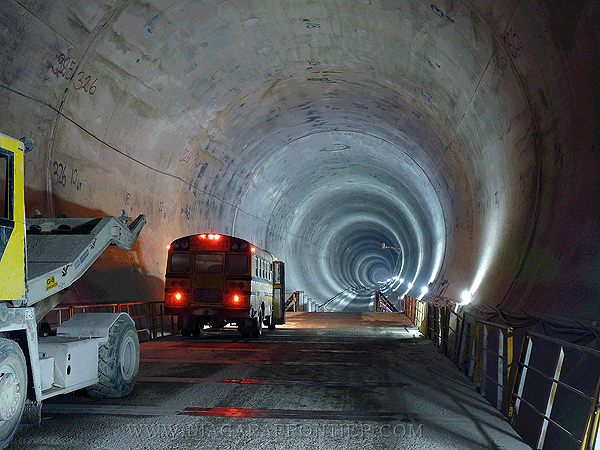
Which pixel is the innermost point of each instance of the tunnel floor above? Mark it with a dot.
(323, 380)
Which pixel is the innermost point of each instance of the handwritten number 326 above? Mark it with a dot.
(83, 82)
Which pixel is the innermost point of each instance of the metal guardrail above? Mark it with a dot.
(383, 303)
(547, 411)
(298, 301)
(586, 435)
(146, 315)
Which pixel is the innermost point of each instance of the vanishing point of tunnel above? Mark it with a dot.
(461, 132)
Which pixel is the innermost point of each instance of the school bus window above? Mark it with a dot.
(237, 264)
(208, 263)
(4, 191)
(180, 262)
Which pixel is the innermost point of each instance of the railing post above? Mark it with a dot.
(513, 410)
(484, 350)
(551, 395)
(71, 311)
(457, 338)
(445, 330)
(501, 372)
(162, 320)
(153, 333)
(441, 328)
(591, 430)
(472, 353)
(464, 344)
(510, 373)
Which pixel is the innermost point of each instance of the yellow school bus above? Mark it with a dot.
(215, 280)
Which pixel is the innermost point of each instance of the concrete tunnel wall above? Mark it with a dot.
(462, 132)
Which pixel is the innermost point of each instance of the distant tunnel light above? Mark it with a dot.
(410, 285)
(401, 280)
(466, 297)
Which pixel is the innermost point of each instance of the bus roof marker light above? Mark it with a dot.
(253, 249)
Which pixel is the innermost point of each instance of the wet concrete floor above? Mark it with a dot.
(322, 381)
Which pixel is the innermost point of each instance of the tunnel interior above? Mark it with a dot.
(463, 134)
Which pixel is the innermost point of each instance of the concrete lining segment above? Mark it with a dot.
(472, 124)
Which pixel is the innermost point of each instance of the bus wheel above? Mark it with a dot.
(270, 322)
(184, 330)
(195, 326)
(13, 389)
(257, 324)
(243, 331)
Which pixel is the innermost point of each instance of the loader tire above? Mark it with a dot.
(13, 389)
(118, 362)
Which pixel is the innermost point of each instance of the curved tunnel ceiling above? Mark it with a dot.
(462, 133)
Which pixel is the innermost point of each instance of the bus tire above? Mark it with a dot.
(118, 361)
(270, 322)
(185, 332)
(195, 326)
(257, 324)
(13, 389)
(243, 331)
